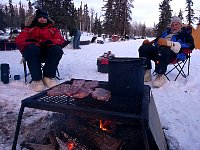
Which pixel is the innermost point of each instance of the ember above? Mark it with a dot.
(104, 125)
(70, 145)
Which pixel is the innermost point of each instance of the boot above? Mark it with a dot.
(147, 75)
(159, 80)
(49, 82)
(37, 86)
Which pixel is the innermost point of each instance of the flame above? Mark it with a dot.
(104, 125)
(70, 145)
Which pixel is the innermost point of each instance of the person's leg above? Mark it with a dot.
(52, 57)
(148, 52)
(32, 56)
(74, 42)
(78, 40)
(163, 58)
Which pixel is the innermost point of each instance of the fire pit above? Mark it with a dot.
(133, 112)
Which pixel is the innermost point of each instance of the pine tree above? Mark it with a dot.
(180, 14)
(3, 24)
(11, 14)
(30, 9)
(97, 29)
(21, 13)
(117, 16)
(164, 17)
(190, 15)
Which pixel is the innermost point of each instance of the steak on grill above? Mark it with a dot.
(78, 82)
(58, 90)
(91, 84)
(82, 93)
(72, 90)
(101, 94)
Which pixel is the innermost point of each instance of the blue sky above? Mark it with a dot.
(144, 11)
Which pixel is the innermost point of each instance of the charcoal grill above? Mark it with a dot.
(119, 109)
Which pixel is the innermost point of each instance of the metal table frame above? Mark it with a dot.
(78, 111)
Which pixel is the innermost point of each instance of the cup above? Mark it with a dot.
(16, 77)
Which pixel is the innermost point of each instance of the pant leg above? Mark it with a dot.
(32, 56)
(148, 52)
(76, 41)
(52, 57)
(164, 56)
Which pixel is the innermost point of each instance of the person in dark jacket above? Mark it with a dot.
(164, 49)
(74, 32)
(41, 42)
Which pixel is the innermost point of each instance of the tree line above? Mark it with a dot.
(116, 17)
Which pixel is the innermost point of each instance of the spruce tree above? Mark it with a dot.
(190, 15)
(164, 17)
(2, 18)
(180, 14)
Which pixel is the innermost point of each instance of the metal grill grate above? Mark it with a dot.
(116, 104)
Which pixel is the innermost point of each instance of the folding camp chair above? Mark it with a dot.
(26, 73)
(182, 60)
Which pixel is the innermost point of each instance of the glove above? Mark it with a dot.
(174, 46)
(146, 42)
(46, 43)
(163, 42)
(31, 40)
(66, 42)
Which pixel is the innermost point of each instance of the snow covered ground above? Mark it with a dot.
(177, 102)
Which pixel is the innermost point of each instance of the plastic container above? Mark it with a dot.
(16, 77)
(126, 76)
(5, 73)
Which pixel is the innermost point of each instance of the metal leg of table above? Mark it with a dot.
(18, 127)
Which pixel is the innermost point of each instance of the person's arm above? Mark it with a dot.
(58, 38)
(22, 40)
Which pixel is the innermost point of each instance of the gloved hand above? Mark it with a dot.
(46, 43)
(66, 42)
(146, 42)
(163, 42)
(31, 40)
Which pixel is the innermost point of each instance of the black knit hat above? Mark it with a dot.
(41, 13)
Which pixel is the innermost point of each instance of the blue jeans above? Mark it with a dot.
(76, 41)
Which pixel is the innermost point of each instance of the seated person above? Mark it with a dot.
(39, 42)
(165, 49)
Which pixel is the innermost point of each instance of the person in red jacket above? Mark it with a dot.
(41, 42)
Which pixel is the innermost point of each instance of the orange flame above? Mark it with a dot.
(104, 125)
(70, 145)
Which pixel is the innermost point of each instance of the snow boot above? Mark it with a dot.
(159, 80)
(37, 86)
(147, 75)
(49, 82)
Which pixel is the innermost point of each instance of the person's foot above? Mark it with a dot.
(159, 80)
(37, 86)
(49, 82)
(147, 75)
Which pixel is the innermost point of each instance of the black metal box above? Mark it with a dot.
(102, 65)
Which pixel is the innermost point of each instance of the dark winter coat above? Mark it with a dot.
(184, 38)
(73, 31)
(40, 35)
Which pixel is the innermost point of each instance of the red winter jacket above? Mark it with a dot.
(40, 34)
